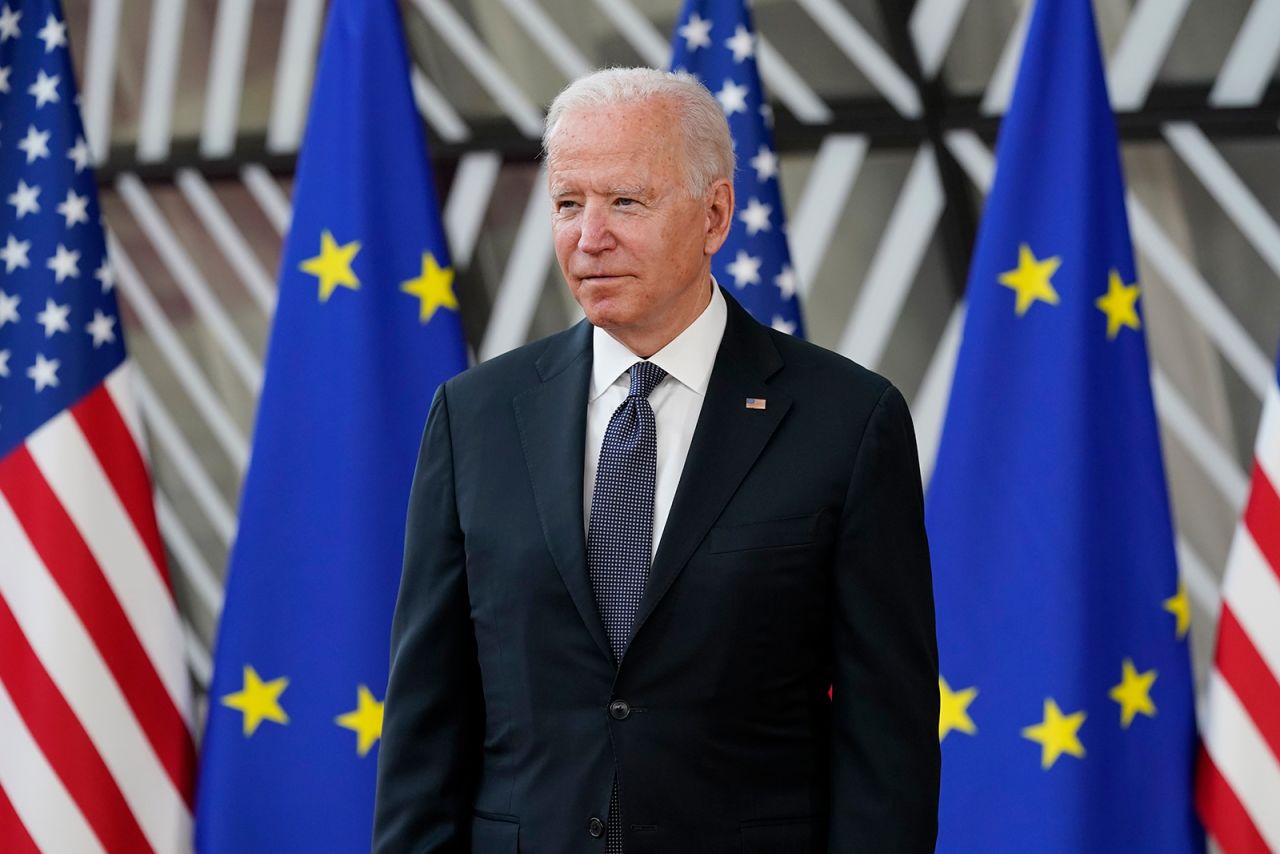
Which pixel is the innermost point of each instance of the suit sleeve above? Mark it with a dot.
(885, 761)
(431, 735)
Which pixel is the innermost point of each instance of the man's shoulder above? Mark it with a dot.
(811, 366)
(522, 368)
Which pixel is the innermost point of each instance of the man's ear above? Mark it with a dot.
(719, 200)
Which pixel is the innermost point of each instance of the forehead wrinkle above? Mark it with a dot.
(627, 190)
(562, 188)
(622, 150)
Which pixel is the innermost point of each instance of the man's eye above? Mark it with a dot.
(565, 204)
(625, 202)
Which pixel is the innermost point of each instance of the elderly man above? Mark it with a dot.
(642, 550)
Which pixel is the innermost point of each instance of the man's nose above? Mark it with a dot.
(596, 234)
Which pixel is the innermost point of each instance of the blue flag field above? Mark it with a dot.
(1067, 719)
(716, 41)
(366, 328)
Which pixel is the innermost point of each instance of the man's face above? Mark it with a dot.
(634, 248)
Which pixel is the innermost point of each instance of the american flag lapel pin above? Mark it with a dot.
(756, 403)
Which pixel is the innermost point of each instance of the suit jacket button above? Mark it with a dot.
(619, 710)
(595, 827)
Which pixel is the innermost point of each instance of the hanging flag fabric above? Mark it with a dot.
(1066, 699)
(716, 42)
(366, 328)
(1238, 780)
(96, 746)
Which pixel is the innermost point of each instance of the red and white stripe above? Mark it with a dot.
(96, 746)
(1238, 785)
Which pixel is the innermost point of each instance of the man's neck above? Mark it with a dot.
(645, 345)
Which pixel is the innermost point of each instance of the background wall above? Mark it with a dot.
(885, 112)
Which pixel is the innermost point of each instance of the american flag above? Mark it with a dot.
(96, 751)
(716, 41)
(1238, 785)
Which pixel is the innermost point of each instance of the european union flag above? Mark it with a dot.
(1066, 717)
(716, 42)
(365, 330)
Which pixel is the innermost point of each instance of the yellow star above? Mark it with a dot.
(1180, 606)
(1056, 734)
(1120, 305)
(1031, 279)
(333, 265)
(258, 700)
(434, 288)
(953, 711)
(1134, 693)
(365, 721)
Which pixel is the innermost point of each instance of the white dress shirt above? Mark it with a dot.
(676, 402)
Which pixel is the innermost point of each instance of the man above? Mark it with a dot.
(639, 552)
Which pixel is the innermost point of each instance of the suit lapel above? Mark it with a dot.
(728, 439)
(552, 423)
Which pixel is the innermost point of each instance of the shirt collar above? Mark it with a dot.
(688, 357)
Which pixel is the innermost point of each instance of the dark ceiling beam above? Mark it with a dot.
(958, 225)
(944, 111)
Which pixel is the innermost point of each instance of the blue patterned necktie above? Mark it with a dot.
(620, 532)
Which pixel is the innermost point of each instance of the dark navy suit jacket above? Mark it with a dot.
(794, 559)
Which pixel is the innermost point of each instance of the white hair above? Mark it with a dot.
(708, 146)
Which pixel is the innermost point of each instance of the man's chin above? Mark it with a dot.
(605, 318)
(605, 307)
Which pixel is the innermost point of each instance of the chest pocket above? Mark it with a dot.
(770, 534)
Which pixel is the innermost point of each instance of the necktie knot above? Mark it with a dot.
(645, 377)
